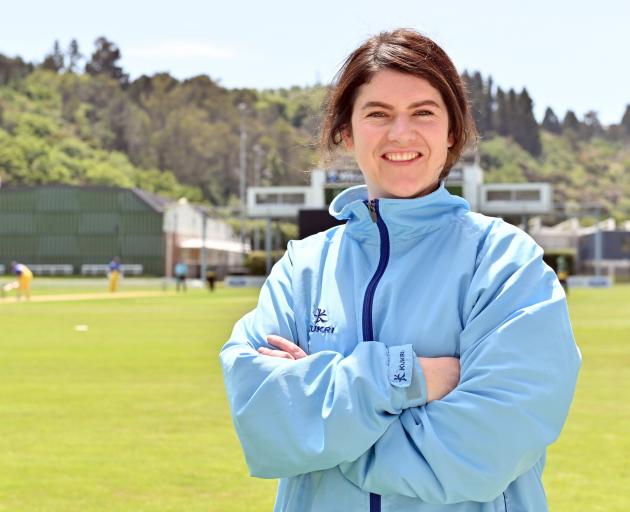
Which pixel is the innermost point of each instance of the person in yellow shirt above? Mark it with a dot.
(115, 271)
(24, 278)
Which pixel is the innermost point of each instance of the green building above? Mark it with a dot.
(60, 224)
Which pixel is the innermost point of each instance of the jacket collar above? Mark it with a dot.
(404, 218)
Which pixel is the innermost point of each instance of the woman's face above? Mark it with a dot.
(399, 135)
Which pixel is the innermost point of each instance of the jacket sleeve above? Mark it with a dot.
(519, 366)
(293, 417)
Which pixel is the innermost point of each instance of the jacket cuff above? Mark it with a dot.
(405, 373)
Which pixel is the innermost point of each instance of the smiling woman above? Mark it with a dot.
(412, 55)
(399, 132)
(419, 357)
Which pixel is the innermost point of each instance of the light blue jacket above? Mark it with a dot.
(348, 427)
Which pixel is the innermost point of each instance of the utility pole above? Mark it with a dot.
(242, 163)
(598, 241)
(259, 152)
(268, 237)
(202, 249)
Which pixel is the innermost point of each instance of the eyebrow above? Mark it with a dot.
(416, 104)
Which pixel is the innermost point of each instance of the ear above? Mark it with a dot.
(451, 140)
(346, 136)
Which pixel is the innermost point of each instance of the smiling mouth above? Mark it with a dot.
(406, 156)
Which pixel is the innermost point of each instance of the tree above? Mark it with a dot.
(474, 85)
(54, 61)
(481, 100)
(551, 123)
(13, 69)
(571, 122)
(104, 60)
(592, 126)
(488, 108)
(502, 114)
(625, 121)
(74, 56)
(525, 130)
(512, 108)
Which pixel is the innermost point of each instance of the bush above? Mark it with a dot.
(256, 261)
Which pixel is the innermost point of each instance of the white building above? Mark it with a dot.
(194, 237)
(465, 179)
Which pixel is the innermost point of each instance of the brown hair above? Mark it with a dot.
(406, 51)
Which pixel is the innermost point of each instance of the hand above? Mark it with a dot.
(441, 375)
(286, 349)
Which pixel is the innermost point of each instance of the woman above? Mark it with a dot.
(419, 358)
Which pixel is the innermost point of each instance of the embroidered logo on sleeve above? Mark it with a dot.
(400, 365)
(400, 377)
(320, 322)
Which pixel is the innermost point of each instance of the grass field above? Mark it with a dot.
(43, 286)
(131, 416)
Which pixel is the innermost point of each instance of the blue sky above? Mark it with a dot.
(569, 54)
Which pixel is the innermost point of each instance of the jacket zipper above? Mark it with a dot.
(368, 301)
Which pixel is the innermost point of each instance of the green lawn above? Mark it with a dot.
(588, 467)
(68, 286)
(131, 414)
(128, 416)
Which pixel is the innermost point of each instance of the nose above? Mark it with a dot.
(401, 130)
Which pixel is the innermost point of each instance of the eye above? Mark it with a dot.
(423, 113)
(377, 114)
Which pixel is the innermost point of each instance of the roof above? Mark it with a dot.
(154, 201)
(217, 245)
(210, 211)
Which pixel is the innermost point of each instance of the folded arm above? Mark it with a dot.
(519, 365)
(294, 416)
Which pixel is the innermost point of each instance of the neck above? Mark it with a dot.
(372, 194)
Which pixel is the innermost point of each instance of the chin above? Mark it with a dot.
(410, 192)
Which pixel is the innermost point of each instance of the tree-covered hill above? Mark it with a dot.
(586, 162)
(158, 133)
(61, 121)
(39, 145)
(583, 173)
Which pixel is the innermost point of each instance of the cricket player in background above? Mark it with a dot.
(115, 272)
(23, 283)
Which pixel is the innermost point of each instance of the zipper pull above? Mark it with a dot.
(371, 205)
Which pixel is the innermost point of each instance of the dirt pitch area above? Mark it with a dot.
(86, 296)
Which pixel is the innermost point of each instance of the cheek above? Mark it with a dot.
(441, 140)
(366, 138)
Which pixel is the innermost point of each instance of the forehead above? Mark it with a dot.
(396, 88)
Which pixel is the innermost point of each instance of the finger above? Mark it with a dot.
(280, 342)
(286, 345)
(274, 353)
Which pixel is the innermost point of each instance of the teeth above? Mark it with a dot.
(401, 157)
